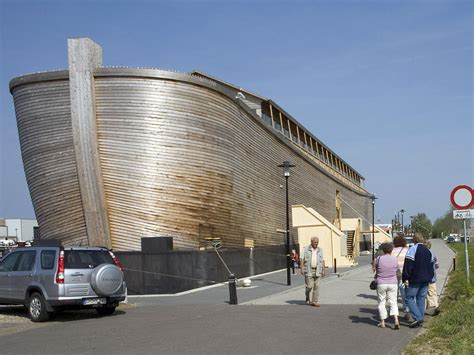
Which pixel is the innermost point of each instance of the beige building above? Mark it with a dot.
(340, 243)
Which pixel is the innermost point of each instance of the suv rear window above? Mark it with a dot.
(86, 259)
(47, 259)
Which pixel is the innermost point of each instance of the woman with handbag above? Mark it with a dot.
(386, 267)
(400, 250)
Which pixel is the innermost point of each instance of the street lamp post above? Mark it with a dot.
(402, 211)
(373, 228)
(286, 172)
(398, 222)
(395, 225)
(412, 227)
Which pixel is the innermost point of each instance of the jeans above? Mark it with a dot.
(415, 296)
(401, 290)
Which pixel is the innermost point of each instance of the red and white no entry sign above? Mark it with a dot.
(462, 197)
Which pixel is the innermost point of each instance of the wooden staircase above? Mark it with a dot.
(350, 243)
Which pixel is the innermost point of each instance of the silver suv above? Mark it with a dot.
(49, 278)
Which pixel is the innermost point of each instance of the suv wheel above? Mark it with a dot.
(105, 311)
(37, 308)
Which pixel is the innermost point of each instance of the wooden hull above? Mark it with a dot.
(179, 156)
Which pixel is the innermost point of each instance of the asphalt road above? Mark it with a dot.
(271, 318)
(207, 329)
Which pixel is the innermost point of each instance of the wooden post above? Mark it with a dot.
(271, 115)
(289, 129)
(84, 56)
(281, 122)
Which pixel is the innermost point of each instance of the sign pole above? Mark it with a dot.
(462, 198)
(466, 254)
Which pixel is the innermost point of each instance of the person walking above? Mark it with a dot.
(400, 250)
(432, 296)
(417, 274)
(295, 258)
(386, 267)
(313, 268)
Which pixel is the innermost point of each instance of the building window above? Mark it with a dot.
(267, 119)
(277, 126)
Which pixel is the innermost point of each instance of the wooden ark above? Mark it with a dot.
(112, 155)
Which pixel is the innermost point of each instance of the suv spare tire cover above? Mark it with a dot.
(106, 279)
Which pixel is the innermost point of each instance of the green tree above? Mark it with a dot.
(422, 224)
(447, 224)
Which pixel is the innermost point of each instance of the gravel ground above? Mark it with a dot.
(13, 314)
(14, 319)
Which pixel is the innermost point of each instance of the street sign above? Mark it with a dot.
(462, 197)
(463, 214)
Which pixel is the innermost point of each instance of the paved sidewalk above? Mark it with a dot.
(353, 286)
(271, 319)
(264, 285)
(348, 286)
(445, 258)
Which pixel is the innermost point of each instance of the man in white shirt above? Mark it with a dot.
(312, 267)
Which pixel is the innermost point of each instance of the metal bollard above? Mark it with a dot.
(232, 289)
(335, 266)
(454, 264)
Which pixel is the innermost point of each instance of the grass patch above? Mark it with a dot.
(452, 331)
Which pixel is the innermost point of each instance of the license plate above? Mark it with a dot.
(92, 301)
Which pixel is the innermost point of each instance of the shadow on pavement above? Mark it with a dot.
(365, 320)
(370, 297)
(77, 315)
(372, 320)
(297, 302)
(19, 312)
(373, 311)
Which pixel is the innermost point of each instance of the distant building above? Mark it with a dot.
(18, 229)
(387, 228)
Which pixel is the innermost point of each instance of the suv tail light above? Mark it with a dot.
(116, 261)
(60, 272)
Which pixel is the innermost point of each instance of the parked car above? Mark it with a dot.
(49, 278)
(7, 242)
(451, 239)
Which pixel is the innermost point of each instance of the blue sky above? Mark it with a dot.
(388, 85)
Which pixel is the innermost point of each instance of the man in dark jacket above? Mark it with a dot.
(417, 274)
